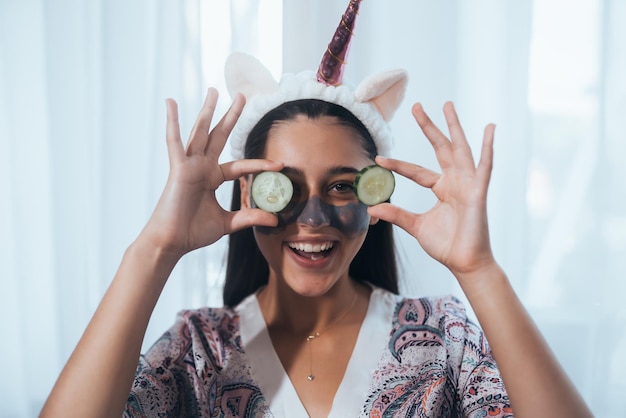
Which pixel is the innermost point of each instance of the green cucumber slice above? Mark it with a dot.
(374, 184)
(271, 191)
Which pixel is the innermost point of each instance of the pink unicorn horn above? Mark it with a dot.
(330, 71)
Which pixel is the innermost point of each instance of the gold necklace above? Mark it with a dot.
(317, 334)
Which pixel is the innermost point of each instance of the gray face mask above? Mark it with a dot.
(351, 219)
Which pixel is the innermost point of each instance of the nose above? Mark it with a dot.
(315, 213)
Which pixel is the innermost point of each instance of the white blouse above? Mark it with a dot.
(273, 380)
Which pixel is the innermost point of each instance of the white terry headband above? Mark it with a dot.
(373, 102)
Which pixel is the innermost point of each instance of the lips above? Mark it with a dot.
(312, 250)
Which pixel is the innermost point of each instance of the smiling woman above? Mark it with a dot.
(82, 167)
(321, 330)
(375, 262)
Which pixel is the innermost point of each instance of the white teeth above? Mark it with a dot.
(308, 247)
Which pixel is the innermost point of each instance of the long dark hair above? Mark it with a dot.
(247, 270)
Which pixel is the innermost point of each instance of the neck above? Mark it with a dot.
(287, 311)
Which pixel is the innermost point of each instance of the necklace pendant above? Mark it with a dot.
(310, 377)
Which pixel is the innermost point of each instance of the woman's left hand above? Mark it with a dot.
(454, 231)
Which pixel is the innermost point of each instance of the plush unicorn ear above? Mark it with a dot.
(384, 90)
(248, 76)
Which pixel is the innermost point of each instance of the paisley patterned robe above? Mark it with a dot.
(413, 358)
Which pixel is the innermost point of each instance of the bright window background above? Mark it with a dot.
(575, 195)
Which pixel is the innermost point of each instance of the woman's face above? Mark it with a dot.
(324, 226)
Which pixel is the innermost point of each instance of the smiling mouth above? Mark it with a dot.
(312, 251)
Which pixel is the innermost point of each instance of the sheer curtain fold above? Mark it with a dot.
(27, 257)
(83, 157)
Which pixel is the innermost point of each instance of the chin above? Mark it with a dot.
(311, 285)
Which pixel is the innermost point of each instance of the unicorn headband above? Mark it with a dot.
(373, 102)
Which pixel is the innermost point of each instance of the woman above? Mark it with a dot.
(312, 325)
(298, 301)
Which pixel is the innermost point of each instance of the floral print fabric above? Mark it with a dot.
(436, 364)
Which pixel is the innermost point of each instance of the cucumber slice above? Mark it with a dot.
(374, 184)
(271, 191)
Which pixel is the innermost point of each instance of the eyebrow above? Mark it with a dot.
(331, 171)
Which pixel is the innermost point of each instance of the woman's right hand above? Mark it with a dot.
(188, 215)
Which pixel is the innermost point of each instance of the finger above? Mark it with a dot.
(172, 132)
(461, 147)
(485, 164)
(438, 140)
(420, 175)
(234, 169)
(200, 132)
(248, 217)
(406, 220)
(219, 134)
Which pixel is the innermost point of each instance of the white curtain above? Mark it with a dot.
(83, 157)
